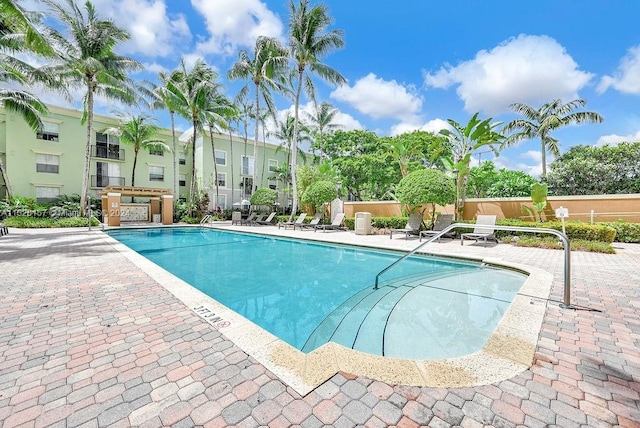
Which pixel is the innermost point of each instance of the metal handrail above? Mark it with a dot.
(565, 242)
(205, 219)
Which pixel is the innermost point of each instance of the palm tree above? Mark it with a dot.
(218, 117)
(464, 140)
(192, 90)
(544, 120)
(263, 70)
(87, 59)
(321, 122)
(20, 31)
(309, 40)
(138, 132)
(404, 150)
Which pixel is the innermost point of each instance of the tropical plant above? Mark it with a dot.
(321, 122)
(87, 59)
(218, 117)
(137, 131)
(426, 188)
(539, 193)
(309, 41)
(264, 196)
(263, 70)
(403, 150)
(319, 193)
(539, 123)
(464, 140)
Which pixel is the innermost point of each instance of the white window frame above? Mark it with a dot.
(49, 197)
(224, 158)
(272, 163)
(50, 131)
(47, 160)
(159, 177)
(224, 177)
(250, 167)
(182, 178)
(182, 159)
(221, 197)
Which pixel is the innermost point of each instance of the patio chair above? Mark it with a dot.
(248, 220)
(293, 224)
(336, 224)
(266, 221)
(236, 217)
(482, 230)
(256, 220)
(4, 230)
(442, 221)
(412, 227)
(311, 225)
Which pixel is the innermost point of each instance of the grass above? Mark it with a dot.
(555, 244)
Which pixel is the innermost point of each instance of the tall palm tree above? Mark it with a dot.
(20, 31)
(309, 41)
(263, 70)
(218, 116)
(192, 90)
(87, 59)
(464, 140)
(542, 121)
(137, 131)
(285, 133)
(321, 121)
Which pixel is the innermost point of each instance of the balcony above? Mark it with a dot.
(107, 152)
(105, 180)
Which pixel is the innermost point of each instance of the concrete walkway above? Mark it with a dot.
(88, 339)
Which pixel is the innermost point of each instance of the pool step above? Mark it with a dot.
(360, 321)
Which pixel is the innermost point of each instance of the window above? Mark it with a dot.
(247, 186)
(108, 147)
(221, 158)
(221, 202)
(247, 165)
(182, 180)
(156, 151)
(48, 132)
(273, 165)
(47, 194)
(182, 160)
(47, 163)
(107, 174)
(156, 173)
(273, 185)
(222, 179)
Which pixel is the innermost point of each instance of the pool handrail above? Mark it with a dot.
(565, 242)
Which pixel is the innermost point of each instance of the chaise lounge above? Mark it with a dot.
(412, 227)
(442, 221)
(293, 224)
(482, 230)
(336, 224)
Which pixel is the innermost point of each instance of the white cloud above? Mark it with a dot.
(626, 78)
(434, 126)
(380, 98)
(614, 139)
(234, 23)
(153, 32)
(526, 69)
(156, 68)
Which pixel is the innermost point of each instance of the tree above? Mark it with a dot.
(263, 70)
(464, 140)
(319, 193)
(590, 170)
(428, 187)
(309, 41)
(87, 59)
(321, 122)
(546, 119)
(403, 150)
(138, 132)
(510, 184)
(217, 117)
(264, 197)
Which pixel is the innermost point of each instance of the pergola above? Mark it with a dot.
(161, 203)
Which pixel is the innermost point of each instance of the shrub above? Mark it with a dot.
(43, 222)
(574, 229)
(264, 197)
(426, 187)
(319, 193)
(553, 243)
(625, 232)
(190, 220)
(379, 222)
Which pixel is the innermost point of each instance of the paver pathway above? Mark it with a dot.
(88, 339)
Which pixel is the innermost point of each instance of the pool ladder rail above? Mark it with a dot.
(565, 243)
(208, 219)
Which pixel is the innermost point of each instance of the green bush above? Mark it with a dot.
(44, 222)
(380, 222)
(625, 232)
(553, 243)
(574, 229)
(190, 220)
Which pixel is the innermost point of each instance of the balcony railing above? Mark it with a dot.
(110, 152)
(105, 180)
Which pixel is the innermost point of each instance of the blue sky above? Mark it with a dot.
(413, 64)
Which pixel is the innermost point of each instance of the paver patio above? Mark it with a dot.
(89, 339)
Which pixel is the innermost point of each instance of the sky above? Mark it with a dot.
(413, 64)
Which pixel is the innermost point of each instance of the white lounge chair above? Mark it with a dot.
(336, 224)
(412, 227)
(482, 230)
(293, 224)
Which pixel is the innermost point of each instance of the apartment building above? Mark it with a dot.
(49, 163)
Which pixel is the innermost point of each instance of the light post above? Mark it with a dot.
(455, 205)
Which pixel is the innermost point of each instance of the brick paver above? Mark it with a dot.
(89, 339)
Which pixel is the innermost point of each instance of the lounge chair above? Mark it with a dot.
(293, 224)
(266, 221)
(442, 221)
(336, 224)
(236, 217)
(311, 225)
(412, 227)
(482, 230)
(248, 220)
(4, 230)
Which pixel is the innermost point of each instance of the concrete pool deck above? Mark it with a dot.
(87, 338)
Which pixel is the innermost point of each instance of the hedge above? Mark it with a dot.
(574, 229)
(625, 232)
(42, 223)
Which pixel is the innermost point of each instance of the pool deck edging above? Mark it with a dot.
(509, 350)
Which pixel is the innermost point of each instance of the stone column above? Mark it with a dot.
(167, 209)
(113, 201)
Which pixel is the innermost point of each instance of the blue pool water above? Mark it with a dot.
(308, 293)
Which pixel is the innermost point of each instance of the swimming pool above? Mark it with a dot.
(308, 293)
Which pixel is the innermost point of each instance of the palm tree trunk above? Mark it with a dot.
(231, 162)
(215, 168)
(544, 158)
(133, 171)
(255, 142)
(294, 150)
(192, 187)
(87, 152)
(176, 172)
(264, 152)
(5, 178)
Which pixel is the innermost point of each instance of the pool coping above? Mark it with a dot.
(508, 351)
